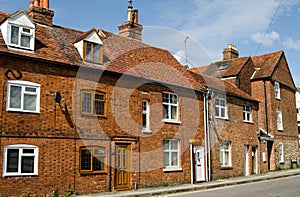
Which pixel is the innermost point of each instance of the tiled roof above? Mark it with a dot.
(235, 66)
(266, 63)
(121, 55)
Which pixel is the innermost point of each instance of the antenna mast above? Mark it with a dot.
(186, 56)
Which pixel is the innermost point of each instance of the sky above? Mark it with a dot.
(194, 31)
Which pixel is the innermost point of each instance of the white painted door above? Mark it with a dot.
(200, 175)
(246, 161)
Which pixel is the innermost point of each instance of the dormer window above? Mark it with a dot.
(92, 52)
(19, 32)
(21, 37)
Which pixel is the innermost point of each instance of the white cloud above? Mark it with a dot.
(267, 40)
(290, 43)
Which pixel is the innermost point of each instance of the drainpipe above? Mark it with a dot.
(206, 136)
(192, 165)
(266, 106)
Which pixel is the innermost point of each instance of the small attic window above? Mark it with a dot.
(224, 66)
(21, 37)
(92, 52)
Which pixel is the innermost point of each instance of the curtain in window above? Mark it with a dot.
(15, 97)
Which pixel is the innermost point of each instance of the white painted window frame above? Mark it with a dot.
(219, 108)
(31, 34)
(281, 152)
(247, 115)
(277, 90)
(20, 147)
(146, 112)
(23, 85)
(279, 121)
(223, 151)
(170, 105)
(169, 151)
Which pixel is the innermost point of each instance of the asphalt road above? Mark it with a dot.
(282, 187)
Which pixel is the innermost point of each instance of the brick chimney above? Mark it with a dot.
(40, 13)
(131, 28)
(230, 52)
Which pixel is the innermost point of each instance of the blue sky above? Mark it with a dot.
(209, 25)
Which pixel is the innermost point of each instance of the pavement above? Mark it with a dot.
(164, 191)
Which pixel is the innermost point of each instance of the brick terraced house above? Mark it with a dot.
(95, 112)
(267, 79)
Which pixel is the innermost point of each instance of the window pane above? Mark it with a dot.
(174, 99)
(144, 120)
(25, 41)
(14, 35)
(85, 160)
(86, 103)
(226, 158)
(174, 145)
(217, 113)
(97, 53)
(174, 112)
(166, 159)
(99, 97)
(27, 164)
(30, 102)
(28, 151)
(221, 158)
(222, 112)
(166, 111)
(30, 89)
(174, 159)
(15, 97)
(99, 108)
(98, 164)
(166, 145)
(166, 98)
(89, 49)
(12, 160)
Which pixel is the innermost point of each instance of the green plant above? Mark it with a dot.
(54, 193)
(278, 167)
(69, 191)
(24, 194)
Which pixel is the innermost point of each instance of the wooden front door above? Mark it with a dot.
(122, 166)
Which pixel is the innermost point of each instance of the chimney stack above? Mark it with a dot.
(230, 52)
(131, 28)
(40, 13)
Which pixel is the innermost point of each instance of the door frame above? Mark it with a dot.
(119, 161)
(199, 166)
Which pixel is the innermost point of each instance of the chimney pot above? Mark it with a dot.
(46, 4)
(36, 3)
(136, 16)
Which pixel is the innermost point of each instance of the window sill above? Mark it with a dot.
(23, 111)
(248, 122)
(280, 130)
(174, 169)
(146, 131)
(226, 167)
(171, 121)
(93, 115)
(92, 173)
(222, 118)
(19, 175)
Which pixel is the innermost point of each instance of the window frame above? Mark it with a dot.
(279, 120)
(23, 85)
(247, 113)
(169, 151)
(91, 150)
(93, 100)
(223, 155)
(277, 90)
(21, 147)
(281, 152)
(146, 113)
(93, 44)
(219, 107)
(21, 33)
(169, 106)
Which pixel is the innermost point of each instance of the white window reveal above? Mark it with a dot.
(23, 96)
(171, 154)
(170, 107)
(225, 155)
(220, 108)
(277, 90)
(279, 121)
(20, 160)
(146, 116)
(281, 152)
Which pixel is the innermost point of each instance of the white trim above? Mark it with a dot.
(279, 120)
(222, 151)
(220, 107)
(20, 147)
(169, 151)
(170, 105)
(277, 90)
(225, 78)
(146, 112)
(23, 85)
(281, 152)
